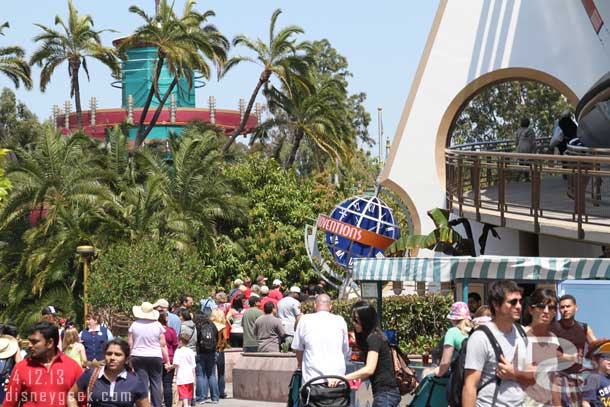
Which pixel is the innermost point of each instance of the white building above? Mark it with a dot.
(475, 43)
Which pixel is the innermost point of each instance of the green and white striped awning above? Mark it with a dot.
(443, 269)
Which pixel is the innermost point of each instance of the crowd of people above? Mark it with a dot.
(507, 364)
(175, 355)
(172, 355)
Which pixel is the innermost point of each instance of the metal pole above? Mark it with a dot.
(84, 252)
(379, 133)
(465, 290)
(85, 278)
(379, 302)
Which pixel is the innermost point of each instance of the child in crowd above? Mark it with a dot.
(73, 347)
(184, 362)
(597, 387)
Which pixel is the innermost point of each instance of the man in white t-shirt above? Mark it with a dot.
(487, 382)
(320, 342)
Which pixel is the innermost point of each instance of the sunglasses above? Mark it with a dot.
(604, 356)
(355, 320)
(514, 301)
(541, 306)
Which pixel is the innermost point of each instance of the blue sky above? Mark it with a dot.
(382, 41)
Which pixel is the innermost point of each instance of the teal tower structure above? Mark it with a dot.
(136, 78)
(137, 72)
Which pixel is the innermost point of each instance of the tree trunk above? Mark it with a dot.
(278, 148)
(295, 146)
(140, 137)
(155, 117)
(75, 67)
(261, 81)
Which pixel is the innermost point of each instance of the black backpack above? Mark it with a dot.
(207, 338)
(456, 381)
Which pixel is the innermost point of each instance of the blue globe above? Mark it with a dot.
(365, 212)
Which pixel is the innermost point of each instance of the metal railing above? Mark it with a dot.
(541, 186)
(506, 145)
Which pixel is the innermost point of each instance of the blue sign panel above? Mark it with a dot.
(366, 212)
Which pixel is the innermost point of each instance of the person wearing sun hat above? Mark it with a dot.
(9, 348)
(148, 349)
(459, 315)
(596, 391)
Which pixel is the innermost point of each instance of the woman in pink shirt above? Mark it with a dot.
(171, 339)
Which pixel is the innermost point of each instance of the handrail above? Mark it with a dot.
(581, 150)
(476, 146)
(566, 188)
(533, 157)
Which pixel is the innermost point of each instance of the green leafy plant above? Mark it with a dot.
(409, 315)
(127, 274)
(444, 238)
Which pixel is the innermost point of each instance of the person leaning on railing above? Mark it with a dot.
(526, 144)
(525, 138)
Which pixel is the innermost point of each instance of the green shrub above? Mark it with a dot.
(128, 273)
(419, 320)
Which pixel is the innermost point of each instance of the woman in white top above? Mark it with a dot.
(148, 349)
(543, 354)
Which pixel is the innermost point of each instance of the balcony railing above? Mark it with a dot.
(506, 145)
(536, 188)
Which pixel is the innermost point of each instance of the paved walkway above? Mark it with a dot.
(231, 402)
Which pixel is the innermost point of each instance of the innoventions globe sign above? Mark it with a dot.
(361, 226)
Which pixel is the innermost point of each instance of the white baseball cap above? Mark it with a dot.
(277, 281)
(162, 302)
(295, 289)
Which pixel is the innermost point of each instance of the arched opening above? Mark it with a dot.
(474, 88)
(491, 116)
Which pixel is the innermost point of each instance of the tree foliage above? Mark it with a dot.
(13, 65)
(185, 45)
(128, 273)
(271, 243)
(71, 191)
(495, 113)
(73, 43)
(19, 127)
(282, 57)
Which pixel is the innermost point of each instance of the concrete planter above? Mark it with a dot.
(231, 357)
(263, 376)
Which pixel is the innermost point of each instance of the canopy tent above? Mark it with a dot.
(444, 269)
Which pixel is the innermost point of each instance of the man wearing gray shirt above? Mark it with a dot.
(268, 330)
(289, 311)
(482, 370)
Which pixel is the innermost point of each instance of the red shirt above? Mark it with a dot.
(266, 300)
(36, 386)
(276, 294)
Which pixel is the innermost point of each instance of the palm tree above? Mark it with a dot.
(194, 191)
(279, 57)
(60, 175)
(13, 65)
(184, 45)
(318, 116)
(74, 45)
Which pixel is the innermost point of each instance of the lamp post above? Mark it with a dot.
(84, 252)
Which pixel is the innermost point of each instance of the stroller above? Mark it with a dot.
(431, 392)
(313, 394)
